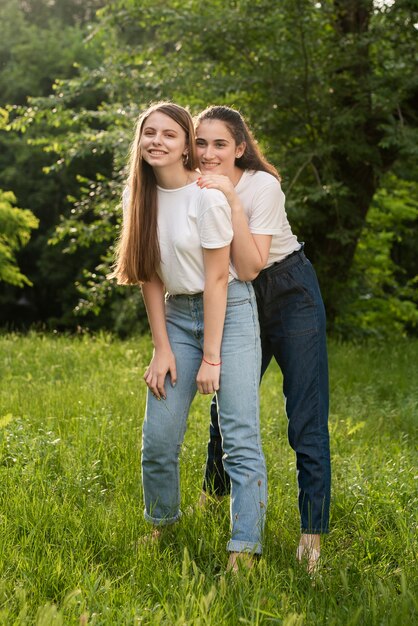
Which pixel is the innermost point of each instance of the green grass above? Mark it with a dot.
(71, 515)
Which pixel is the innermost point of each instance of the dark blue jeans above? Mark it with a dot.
(293, 331)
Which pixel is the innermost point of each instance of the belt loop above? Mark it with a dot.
(302, 253)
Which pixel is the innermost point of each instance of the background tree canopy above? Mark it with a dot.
(330, 89)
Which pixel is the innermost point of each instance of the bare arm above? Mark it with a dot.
(249, 252)
(214, 306)
(163, 360)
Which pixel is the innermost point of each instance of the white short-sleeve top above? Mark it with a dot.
(189, 219)
(263, 201)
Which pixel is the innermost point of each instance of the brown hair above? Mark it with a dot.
(252, 157)
(138, 251)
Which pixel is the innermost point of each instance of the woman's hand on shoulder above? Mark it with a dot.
(162, 363)
(220, 182)
(208, 377)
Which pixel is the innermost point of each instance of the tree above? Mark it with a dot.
(15, 228)
(39, 43)
(330, 89)
(381, 295)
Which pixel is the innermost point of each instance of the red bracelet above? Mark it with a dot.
(209, 363)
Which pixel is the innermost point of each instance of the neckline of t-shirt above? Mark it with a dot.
(177, 188)
(243, 176)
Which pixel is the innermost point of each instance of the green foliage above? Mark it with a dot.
(329, 88)
(381, 299)
(36, 47)
(32, 52)
(15, 229)
(75, 549)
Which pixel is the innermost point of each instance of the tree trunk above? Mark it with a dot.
(356, 161)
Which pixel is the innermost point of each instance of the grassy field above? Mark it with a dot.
(71, 517)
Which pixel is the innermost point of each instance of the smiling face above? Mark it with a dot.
(216, 148)
(163, 141)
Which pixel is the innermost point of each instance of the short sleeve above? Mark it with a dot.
(268, 209)
(214, 220)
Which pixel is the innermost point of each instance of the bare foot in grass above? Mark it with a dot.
(240, 561)
(151, 538)
(309, 551)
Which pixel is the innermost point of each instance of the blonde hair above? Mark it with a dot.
(138, 250)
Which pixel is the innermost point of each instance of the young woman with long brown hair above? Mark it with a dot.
(291, 311)
(175, 243)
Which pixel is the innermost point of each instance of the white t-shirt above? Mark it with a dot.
(263, 201)
(189, 219)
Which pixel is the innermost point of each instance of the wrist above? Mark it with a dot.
(162, 347)
(216, 363)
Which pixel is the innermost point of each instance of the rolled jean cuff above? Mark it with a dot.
(162, 521)
(244, 546)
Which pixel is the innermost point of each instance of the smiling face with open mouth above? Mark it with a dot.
(216, 148)
(163, 141)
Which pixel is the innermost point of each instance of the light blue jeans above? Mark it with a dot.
(165, 420)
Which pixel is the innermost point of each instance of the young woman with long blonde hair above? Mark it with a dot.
(175, 243)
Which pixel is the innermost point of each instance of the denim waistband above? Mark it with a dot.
(237, 286)
(184, 296)
(281, 266)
